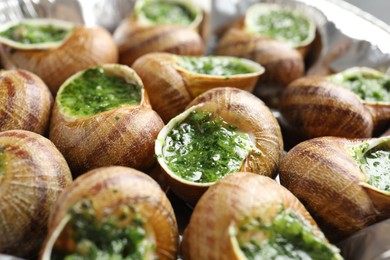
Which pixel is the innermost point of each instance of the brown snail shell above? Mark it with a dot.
(32, 175)
(121, 136)
(323, 175)
(173, 86)
(83, 48)
(110, 188)
(25, 102)
(243, 110)
(137, 36)
(225, 204)
(316, 106)
(282, 63)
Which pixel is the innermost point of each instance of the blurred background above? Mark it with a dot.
(378, 8)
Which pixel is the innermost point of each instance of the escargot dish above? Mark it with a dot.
(354, 103)
(102, 117)
(54, 49)
(160, 25)
(175, 80)
(344, 183)
(248, 216)
(32, 175)
(112, 213)
(277, 37)
(222, 131)
(25, 102)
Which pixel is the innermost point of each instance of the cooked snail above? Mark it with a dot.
(175, 80)
(102, 117)
(160, 26)
(54, 50)
(25, 102)
(247, 216)
(354, 103)
(275, 36)
(112, 213)
(223, 130)
(32, 175)
(344, 183)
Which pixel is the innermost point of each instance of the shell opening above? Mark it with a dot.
(118, 232)
(174, 12)
(35, 33)
(281, 23)
(369, 84)
(199, 147)
(283, 233)
(99, 89)
(220, 66)
(373, 158)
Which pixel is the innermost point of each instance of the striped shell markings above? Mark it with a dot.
(83, 48)
(137, 35)
(32, 175)
(122, 135)
(110, 191)
(25, 102)
(323, 174)
(238, 197)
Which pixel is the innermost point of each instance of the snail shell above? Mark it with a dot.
(319, 106)
(137, 36)
(316, 107)
(323, 175)
(32, 175)
(25, 102)
(225, 204)
(282, 63)
(83, 48)
(120, 136)
(243, 110)
(173, 86)
(108, 189)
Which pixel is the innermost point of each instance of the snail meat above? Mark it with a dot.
(102, 116)
(224, 130)
(112, 213)
(175, 80)
(249, 216)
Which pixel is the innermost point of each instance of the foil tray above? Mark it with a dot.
(349, 37)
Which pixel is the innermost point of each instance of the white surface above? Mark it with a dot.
(378, 8)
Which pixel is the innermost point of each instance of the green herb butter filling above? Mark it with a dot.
(32, 34)
(216, 66)
(283, 25)
(107, 238)
(204, 148)
(285, 236)
(96, 91)
(367, 86)
(374, 162)
(168, 12)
